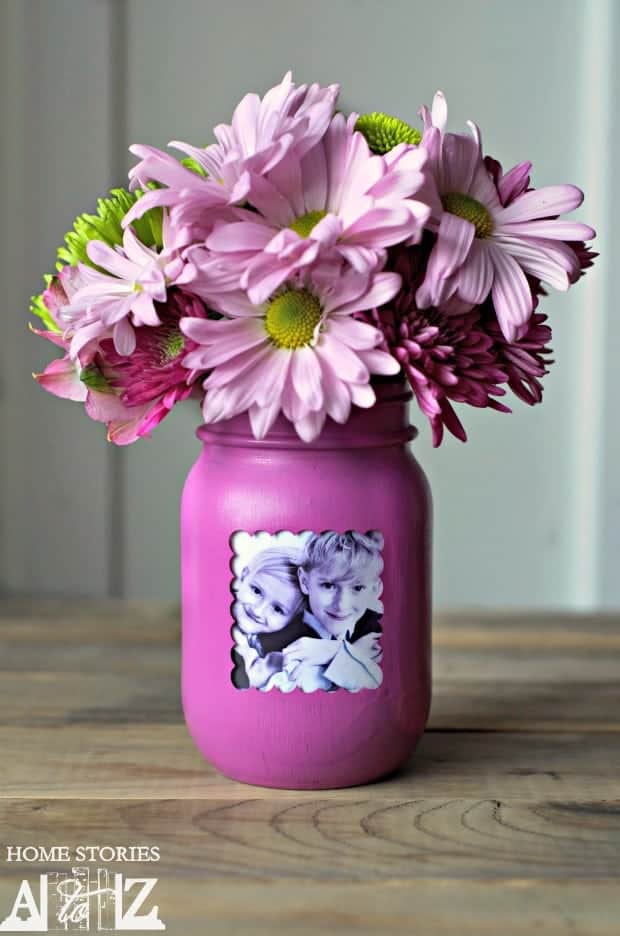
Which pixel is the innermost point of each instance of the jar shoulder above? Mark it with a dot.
(379, 484)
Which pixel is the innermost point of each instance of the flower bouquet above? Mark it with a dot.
(278, 269)
(303, 277)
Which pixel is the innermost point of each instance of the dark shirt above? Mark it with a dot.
(278, 640)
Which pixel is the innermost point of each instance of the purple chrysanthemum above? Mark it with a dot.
(526, 359)
(445, 357)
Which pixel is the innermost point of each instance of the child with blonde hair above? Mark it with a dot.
(267, 599)
(340, 575)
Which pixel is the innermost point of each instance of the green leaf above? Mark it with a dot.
(94, 379)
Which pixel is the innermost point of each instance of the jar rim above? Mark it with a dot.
(390, 431)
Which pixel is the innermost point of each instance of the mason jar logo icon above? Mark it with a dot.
(86, 900)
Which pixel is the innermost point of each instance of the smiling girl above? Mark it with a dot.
(268, 598)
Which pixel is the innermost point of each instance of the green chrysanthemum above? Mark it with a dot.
(38, 307)
(105, 226)
(384, 132)
(190, 163)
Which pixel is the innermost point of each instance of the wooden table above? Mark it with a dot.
(506, 821)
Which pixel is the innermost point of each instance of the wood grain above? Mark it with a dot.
(506, 819)
(160, 760)
(322, 838)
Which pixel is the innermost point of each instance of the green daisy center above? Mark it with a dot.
(464, 206)
(292, 318)
(304, 225)
(384, 132)
(172, 345)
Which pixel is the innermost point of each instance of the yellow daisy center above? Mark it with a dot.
(304, 225)
(292, 318)
(464, 206)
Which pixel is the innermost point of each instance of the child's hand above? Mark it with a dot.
(368, 646)
(261, 670)
(314, 650)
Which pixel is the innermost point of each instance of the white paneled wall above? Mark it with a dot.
(528, 512)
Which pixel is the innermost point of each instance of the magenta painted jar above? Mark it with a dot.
(306, 599)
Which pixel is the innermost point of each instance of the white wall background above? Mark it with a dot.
(528, 512)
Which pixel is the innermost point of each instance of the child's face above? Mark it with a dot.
(265, 603)
(338, 602)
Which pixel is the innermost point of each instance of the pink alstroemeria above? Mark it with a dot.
(302, 353)
(145, 386)
(62, 375)
(491, 233)
(289, 119)
(338, 201)
(124, 296)
(131, 394)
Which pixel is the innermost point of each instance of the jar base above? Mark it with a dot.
(322, 779)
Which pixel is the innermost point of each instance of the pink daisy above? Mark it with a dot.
(122, 293)
(492, 232)
(338, 200)
(302, 353)
(289, 119)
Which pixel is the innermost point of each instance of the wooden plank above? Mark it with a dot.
(160, 761)
(114, 694)
(322, 838)
(457, 626)
(232, 907)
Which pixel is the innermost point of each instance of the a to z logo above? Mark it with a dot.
(85, 899)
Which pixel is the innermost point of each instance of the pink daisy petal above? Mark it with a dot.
(314, 179)
(541, 203)
(380, 362)
(336, 393)
(362, 259)
(239, 236)
(460, 158)
(233, 336)
(262, 418)
(309, 426)
(384, 287)
(236, 367)
(277, 376)
(109, 259)
(362, 395)
(306, 377)
(554, 230)
(476, 276)
(124, 337)
(143, 309)
(341, 359)
(511, 293)
(357, 335)
(537, 261)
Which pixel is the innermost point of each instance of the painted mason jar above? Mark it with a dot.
(306, 599)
